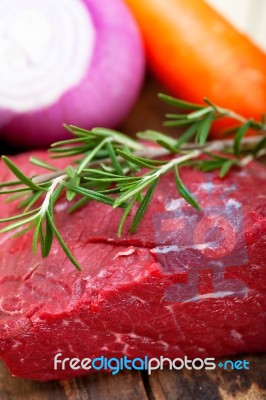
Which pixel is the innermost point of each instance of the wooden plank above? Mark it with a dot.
(102, 386)
(21, 389)
(211, 385)
(105, 386)
(160, 385)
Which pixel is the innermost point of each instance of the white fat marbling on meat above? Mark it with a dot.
(206, 186)
(209, 186)
(164, 344)
(215, 295)
(167, 249)
(101, 274)
(125, 253)
(174, 204)
(235, 334)
(61, 206)
(118, 337)
(234, 203)
(138, 299)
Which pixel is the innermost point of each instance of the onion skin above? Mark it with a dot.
(104, 95)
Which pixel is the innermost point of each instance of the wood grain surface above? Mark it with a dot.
(160, 385)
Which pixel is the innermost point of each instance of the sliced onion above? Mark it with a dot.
(79, 62)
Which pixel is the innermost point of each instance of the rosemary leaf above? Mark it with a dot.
(204, 128)
(118, 137)
(76, 131)
(110, 191)
(90, 194)
(151, 162)
(74, 181)
(70, 171)
(10, 183)
(61, 242)
(23, 231)
(41, 239)
(36, 235)
(70, 195)
(184, 192)
(47, 239)
(68, 151)
(175, 116)
(167, 146)
(17, 224)
(132, 167)
(91, 155)
(19, 174)
(106, 174)
(116, 164)
(135, 160)
(40, 163)
(179, 103)
(178, 122)
(79, 203)
(239, 135)
(200, 113)
(105, 166)
(134, 190)
(188, 134)
(227, 165)
(209, 165)
(30, 201)
(143, 207)
(69, 141)
(111, 180)
(56, 194)
(154, 136)
(19, 216)
(20, 191)
(16, 196)
(125, 214)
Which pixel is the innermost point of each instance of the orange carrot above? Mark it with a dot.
(196, 53)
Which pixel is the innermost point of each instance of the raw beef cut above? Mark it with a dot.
(187, 283)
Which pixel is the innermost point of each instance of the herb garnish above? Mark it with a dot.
(107, 162)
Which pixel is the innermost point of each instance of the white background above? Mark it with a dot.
(249, 16)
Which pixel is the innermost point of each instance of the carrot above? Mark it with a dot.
(196, 53)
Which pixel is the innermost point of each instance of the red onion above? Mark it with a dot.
(79, 62)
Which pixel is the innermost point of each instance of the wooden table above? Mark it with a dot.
(160, 385)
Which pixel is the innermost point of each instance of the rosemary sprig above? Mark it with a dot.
(105, 165)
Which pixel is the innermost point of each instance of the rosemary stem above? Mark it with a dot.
(111, 161)
(176, 161)
(219, 145)
(246, 160)
(50, 191)
(153, 152)
(232, 114)
(47, 177)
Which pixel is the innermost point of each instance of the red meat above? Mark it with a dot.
(187, 283)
